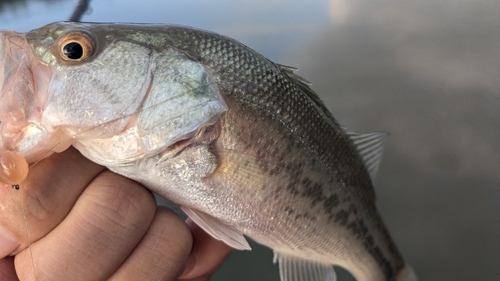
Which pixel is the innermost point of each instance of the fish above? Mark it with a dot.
(243, 145)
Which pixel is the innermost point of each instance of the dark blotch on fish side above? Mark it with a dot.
(342, 217)
(330, 203)
(360, 230)
(313, 190)
(382, 261)
(369, 240)
(292, 188)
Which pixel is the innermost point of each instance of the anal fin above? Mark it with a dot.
(218, 230)
(297, 269)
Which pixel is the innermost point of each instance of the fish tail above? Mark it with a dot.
(407, 274)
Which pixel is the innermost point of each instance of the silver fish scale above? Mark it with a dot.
(255, 80)
(324, 174)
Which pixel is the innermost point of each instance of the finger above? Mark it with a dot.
(44, 199)
(104, 226)
(7, 270)
(207, 255)
(163, 252)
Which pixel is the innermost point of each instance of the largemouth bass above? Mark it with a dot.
(242, 144)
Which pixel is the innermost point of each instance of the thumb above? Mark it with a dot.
(43, 200)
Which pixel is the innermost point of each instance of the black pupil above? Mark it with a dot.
(73, 50)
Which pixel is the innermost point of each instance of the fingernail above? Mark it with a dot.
(7, 243)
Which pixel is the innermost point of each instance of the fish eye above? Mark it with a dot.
(76, 46)
(73, 50)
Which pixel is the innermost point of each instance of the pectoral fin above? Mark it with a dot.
(218, 230)
(296, 269)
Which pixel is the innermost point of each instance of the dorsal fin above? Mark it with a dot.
(305, 86)
(369, 146)
(290, 71)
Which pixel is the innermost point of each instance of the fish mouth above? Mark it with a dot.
(19, 129)
(17, 89)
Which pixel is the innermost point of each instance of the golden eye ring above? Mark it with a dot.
(76, 46)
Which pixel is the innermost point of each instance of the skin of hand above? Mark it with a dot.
(74, 220)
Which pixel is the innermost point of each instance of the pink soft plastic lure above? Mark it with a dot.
(13, 168)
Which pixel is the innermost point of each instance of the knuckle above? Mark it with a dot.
(176, 238)
(121, 201)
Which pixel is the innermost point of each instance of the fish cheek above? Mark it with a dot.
(89, 97)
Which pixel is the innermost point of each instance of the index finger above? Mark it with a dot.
(43, 200)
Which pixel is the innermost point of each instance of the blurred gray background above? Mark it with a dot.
(427, 71)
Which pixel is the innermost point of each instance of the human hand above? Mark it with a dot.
(74, 220)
